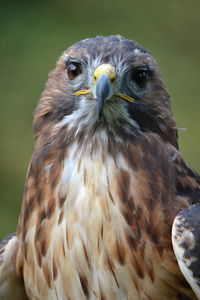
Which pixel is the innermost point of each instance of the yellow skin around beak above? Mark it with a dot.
(109, 70)
(105, 69)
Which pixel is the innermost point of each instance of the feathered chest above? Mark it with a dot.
(101, 226)
(111, 220)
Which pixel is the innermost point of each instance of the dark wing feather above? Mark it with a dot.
(188, 182)
(186, 226)
(11, 285)
(186, 244)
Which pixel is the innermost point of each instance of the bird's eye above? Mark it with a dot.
(141, 77)
(74, 70)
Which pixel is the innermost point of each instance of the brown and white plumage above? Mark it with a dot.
(11, 285)
(106, 181)
(186, 243)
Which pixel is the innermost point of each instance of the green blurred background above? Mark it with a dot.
(34, 33)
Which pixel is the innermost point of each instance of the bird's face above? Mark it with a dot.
(108, 76)
(105, 80)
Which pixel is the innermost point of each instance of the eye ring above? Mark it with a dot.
(141, 77)
(73, 70)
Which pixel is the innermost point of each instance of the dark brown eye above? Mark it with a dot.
(141, 77)
(74, 70)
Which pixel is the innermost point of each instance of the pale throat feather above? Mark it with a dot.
(85, 116)
(90, 168)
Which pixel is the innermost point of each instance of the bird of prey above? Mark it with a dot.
(110, 209)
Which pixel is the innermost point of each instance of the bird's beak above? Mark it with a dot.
(103, 87)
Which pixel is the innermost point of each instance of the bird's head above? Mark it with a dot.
(106, 80)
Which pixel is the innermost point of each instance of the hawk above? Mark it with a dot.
(110, 209)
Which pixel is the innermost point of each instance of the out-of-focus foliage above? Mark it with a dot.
(34, 33)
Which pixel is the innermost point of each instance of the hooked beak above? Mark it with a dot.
(103, 87)
(102, 92)
(104, 77)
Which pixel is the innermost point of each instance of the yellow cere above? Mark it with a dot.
(105, 69)
(110, 71)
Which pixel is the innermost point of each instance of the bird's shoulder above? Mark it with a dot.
(11, 283)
